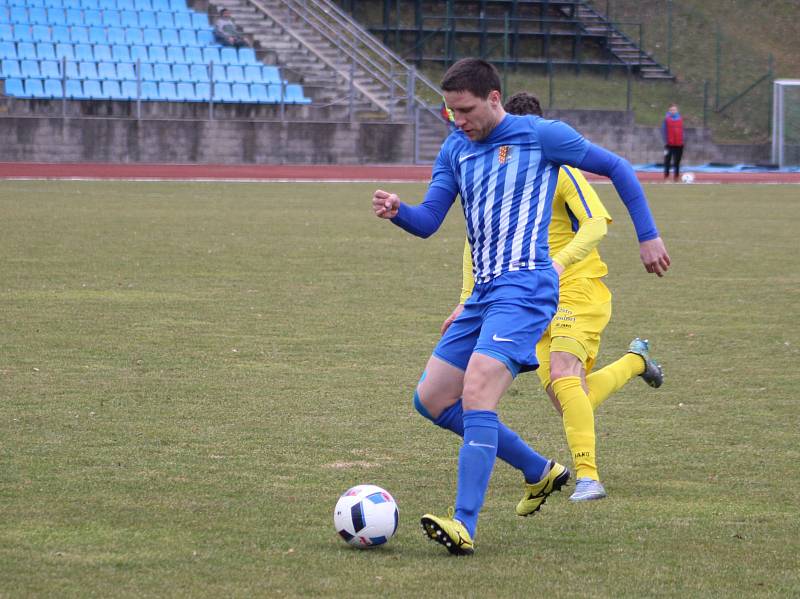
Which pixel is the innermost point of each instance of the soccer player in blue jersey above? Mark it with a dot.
(505, 169)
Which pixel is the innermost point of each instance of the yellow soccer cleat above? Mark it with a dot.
(448, 532)
(536, 493)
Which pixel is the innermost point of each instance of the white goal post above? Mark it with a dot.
(786, 122)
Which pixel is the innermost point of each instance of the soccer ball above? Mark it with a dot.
(366, 516)
(687, 177)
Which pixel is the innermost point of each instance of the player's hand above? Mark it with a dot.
(385, 204)
(453, 315)
(654, 256)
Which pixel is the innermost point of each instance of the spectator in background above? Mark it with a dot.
(672, 132)
(226, 32)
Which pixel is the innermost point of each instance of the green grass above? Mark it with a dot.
(190, 374)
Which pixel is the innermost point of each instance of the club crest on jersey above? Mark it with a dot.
(503, 154)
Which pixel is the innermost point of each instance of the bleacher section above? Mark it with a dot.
(153, 50)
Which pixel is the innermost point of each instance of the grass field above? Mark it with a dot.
(190, 374)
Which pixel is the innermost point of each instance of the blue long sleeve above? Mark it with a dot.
(426, 218)
(602, 162)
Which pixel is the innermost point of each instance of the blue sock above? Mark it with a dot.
(475, 463)
(510, 447)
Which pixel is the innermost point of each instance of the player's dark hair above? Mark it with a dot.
(523, 103)
(472, 75)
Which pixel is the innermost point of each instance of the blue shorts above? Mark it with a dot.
(503, 318)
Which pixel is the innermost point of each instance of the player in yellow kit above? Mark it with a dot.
(569, 348)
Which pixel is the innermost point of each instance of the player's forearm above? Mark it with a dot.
(426, 218)
(602, 162)
(589, 235)
(467, 279)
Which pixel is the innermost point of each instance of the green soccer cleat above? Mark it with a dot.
(653, 374)
(448, 532)
(536, 493)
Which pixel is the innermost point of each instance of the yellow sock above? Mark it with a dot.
(578, 418)
(613, 377)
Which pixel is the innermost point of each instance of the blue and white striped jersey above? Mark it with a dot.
(506, 183)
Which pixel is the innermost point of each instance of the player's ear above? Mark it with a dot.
(494, 98)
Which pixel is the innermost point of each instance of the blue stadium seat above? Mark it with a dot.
(129, 18)
(19, 14)
(229, 56)
(139, 52)
(112, 91)
(180, 72)
(258, 93)
(129, 90)
(83, 52)
(50, 69)
(164, 20)
(10, 68)
(111, 18)
(211, 55)
(79, 34)
(295, 95)
(167, 91)
(107, 4)
(252, 74)
(102, 52)
(92, 89)
(157, 54)
(106, 71)
(149, 90)
(219, 73)
(147, 19)
(235, 74)
(162, 72)
(169, 37)
(152, 37)
(74, 17)
(248, 56)
(175, 55)
(270, 74)
(8, 50)
(182, 20)
(64, 51)
(92, 17)
(205, 38)
(55, 3)
(74, 89)
(188, 37)
(89, 5)
(22, 33)
(53, 89)
(116, 35)
(178, 5)
(6, 32)
(14, 87)
(202, 91)
(134, 35)
(126, 71)
(26, 50)
(87, 70)
(193, 55)
(274, 93)
(45, 51)
(162, 5)
(240, 92)
(40, 33)
(34, 88)
(60, 33)
(222, 92)
(97, 35)
(72, 70)
(199, 73)
(56, 16)
(185, 92)
(120, 53)
(37, 15)
(146, 71)
(30, 69)
(199, 20)
(143, 5)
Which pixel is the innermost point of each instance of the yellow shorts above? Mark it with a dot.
(584, 309)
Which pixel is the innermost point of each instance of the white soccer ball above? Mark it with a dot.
(366, 516)
(687, 177)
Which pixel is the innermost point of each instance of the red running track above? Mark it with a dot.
(298, 172)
